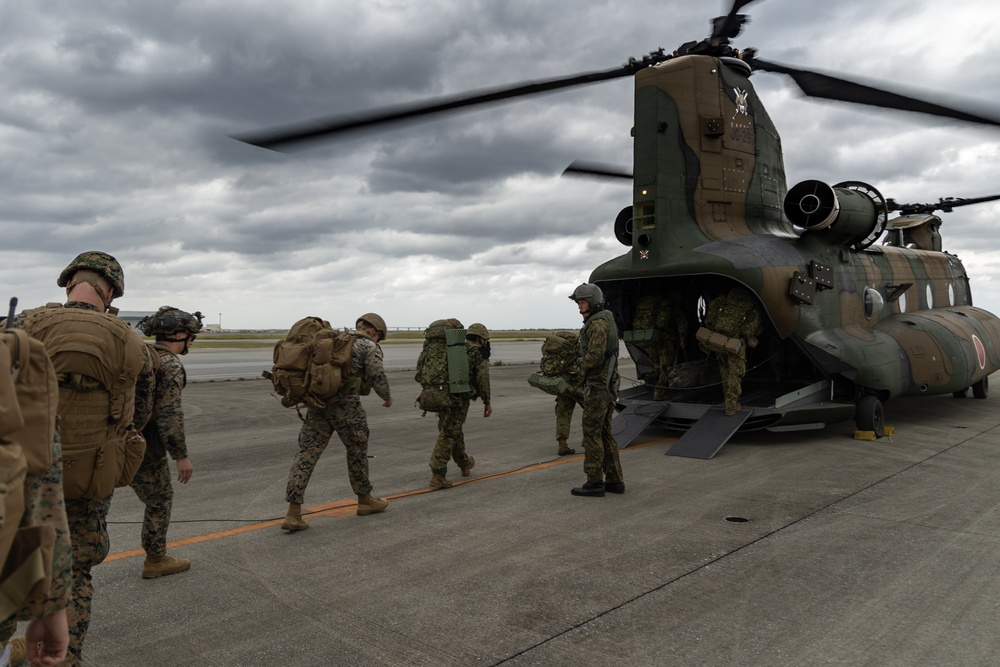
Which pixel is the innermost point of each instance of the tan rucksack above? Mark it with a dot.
(311, 363)
(29, 399)
(100, 448)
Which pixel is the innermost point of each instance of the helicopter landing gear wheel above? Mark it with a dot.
(869, 415)
(961, 393)
(981, 389)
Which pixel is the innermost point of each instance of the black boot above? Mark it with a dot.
(614, 487)
(595, 489)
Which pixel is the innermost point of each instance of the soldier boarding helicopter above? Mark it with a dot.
(848, 323)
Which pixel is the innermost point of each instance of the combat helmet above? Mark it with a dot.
(590, 293)
(376, 322)
(478, 329)
(100, 263)
(169, 320)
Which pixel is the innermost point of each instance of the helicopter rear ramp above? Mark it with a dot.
(709, 434)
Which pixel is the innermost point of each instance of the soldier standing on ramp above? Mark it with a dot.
(736, 316)
(599, 363)
(174, 331)
(344, 414)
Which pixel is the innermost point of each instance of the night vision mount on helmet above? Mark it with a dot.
(849, 323)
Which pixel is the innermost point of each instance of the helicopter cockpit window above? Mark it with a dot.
(951, 294)
(873, 302)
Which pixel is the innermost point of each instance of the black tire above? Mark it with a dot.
(961, 394)
(981, 389)
(869, 415)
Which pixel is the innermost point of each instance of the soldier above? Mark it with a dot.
(450, 443)
(344, 414)
(106, 383)
(33, 430)
(599, 364)
(559, 360)
(735, 315)
(174, 331)
(661, 312)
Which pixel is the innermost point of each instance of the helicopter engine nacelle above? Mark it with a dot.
(850, 213)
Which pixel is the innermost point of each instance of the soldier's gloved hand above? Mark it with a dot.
(487, 410)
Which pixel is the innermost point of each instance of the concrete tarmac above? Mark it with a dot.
(785, 549)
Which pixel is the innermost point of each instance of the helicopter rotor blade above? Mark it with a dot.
(330, 127)
(946, 204)
(597, 170)
(829, 87)
(729, 26)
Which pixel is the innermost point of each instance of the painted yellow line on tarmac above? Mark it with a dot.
(347, 507)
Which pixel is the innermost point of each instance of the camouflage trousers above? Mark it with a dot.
(350, 421)
(600, 451)
(565, 405)
(88, 532)
(662, 357)
(732, 367)
(152, 485)
(450, 443)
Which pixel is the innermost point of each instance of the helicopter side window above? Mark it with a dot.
(873, 302)
(951, 294)
(930, 297)
(902, 302)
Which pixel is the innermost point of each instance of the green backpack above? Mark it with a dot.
(559, 361)
(443, 365)
(311, 363)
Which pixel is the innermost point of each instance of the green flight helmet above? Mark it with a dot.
(376, 322)
(590, 293)
(169, 320)
(478, 329)
(100, 263)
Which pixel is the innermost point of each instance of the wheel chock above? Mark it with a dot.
(864, 435)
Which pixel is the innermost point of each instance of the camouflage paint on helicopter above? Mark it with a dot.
(711, 206)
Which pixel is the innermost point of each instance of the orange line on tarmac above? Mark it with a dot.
(342, 508)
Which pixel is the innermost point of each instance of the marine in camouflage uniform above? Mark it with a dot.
(599, 363)
(344, 414)
(174, 330)
(661, 312)
(44, 504)
(87, 518)
(734, 314)
(450, 444)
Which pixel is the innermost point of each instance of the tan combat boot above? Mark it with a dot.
(294, 520)
(565, 449)
(467, 468)
(369, 504)
(439, 482)
(161, 566)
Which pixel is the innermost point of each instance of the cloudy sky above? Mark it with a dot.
(114, 124)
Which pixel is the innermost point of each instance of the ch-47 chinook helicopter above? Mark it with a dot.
(849, 323)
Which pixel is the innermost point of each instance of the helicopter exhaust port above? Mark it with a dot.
(852, 213)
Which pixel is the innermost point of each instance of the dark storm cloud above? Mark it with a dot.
(114, 124)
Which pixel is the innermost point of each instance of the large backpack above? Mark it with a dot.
(559, 355)
(311, 363)
(101, 449)
(443, 365)
(29, 400)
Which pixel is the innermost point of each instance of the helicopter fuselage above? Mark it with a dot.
(711, 209)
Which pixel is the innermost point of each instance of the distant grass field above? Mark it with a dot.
(268, 338)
